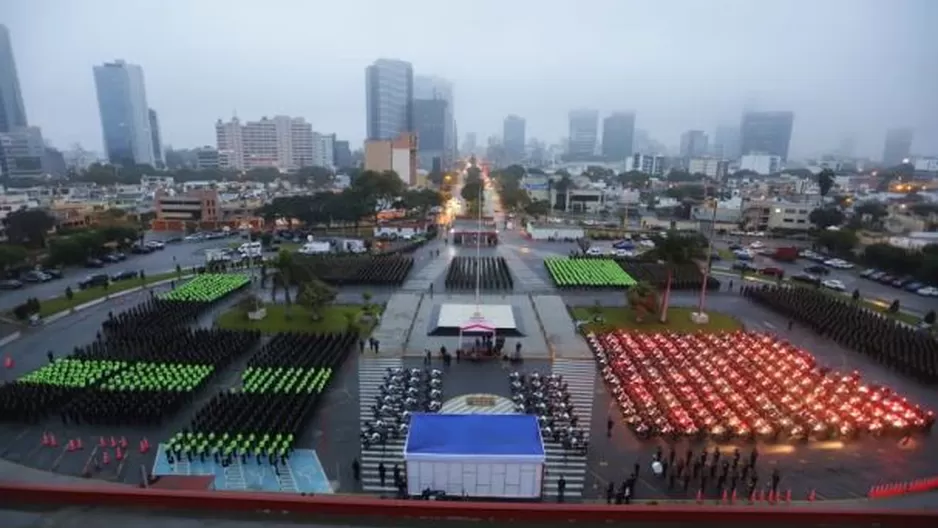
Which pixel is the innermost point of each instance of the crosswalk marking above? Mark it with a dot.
(371, 372)
(580, 377)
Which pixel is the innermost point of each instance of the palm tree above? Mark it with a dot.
(643, 300)
(283, 276)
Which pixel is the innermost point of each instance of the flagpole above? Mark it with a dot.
(706, 272)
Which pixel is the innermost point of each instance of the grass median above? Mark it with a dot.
(623, 318)
(60, 304)
(335, 318)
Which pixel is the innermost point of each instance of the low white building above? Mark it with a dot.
(761, 163)
(710, 167)
(929, 164)
(554, 232)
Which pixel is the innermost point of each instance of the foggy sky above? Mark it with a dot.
(847, 68)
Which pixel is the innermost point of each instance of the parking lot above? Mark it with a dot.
(850, 278)
(185, 254)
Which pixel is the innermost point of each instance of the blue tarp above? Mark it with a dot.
(475, 434)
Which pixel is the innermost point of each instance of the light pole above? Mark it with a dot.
(706, 273)
(479, 251)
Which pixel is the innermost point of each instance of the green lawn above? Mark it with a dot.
(335, 319)
(62, 303)
(620, 317)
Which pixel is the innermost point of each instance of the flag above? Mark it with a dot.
(664, 301)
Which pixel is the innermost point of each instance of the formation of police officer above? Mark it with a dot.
(911, 351)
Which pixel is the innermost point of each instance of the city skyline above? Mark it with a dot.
(328, 92)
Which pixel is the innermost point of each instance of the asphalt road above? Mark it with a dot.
(186, 254)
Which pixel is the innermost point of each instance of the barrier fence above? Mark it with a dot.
(365, 508)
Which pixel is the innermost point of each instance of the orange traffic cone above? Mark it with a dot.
(812, 495)
(699, 496)
(106, 458)
(70, 446)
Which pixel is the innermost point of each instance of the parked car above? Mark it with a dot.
(807, 279)
(36, 276)
(155, 244)
(868, 273)
(744, 266)
(838, 263)
(99, 279)
(123, 275)
(772, 272)
(94, 263)
(876, 275)
(817, 270)
(913, 286)
(901, 282)
(139, 249)
(928, 291)
(10, 284)
(885, 278)
(55, 273)
(834, 284)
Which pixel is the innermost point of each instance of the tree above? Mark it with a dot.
(314, 295)
(839, 242)
(825, 181)
(472, 192)
(825, 217)
(378, 190)
(643, 300)
(538, 208)
(284, 275)
(634, 179)
(871, 212)
(29, 227)
(678, 248)
(11, 256)
(316, 177)
(420, 200)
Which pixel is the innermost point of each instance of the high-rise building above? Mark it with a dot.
(323, 150)
(726, 143)
(584, 128)
(618, 136)
(21, 153)
(12, 110)
(283, 142)
(389, 96)
(898, 146)
(125, 116)
(156, 138)
(766, 133)
(426, 87)
(513, 138)
(693, 144)
(228, 139)
(431, 123)
(470, 145)
(342, 154)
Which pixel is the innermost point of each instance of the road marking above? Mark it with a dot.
(768, 324)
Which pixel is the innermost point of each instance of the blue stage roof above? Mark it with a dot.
(475, 434)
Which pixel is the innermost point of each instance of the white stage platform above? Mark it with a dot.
(501, 316)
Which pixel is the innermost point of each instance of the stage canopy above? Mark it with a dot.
(511, 437)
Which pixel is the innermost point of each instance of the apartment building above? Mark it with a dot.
(710, 167)
(282, 142)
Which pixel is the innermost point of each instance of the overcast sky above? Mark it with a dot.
(847, 68)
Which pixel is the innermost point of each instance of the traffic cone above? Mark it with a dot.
(146, 443)
(761, 497)
(771, 496)
(811, 496)
(70, 446)
(102, 442)
(123, 443)
(699, 496)
(106, 458)
(78, 444)
(725, 498)
(119, 455)
(45, 439)
(788, 496)
(143, 447)
(52, 441)
(113, 442)
(8, 362)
